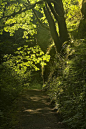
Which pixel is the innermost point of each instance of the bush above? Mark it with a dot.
(68, 88)
(11, 85)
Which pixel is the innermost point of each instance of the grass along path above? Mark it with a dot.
(36, 112)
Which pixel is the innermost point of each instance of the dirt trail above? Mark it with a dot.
(36, 112)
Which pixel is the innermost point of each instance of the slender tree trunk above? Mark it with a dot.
(82, 25)
(58, 5)
(52, 28)
(83, 10)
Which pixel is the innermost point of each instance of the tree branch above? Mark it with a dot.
(53, 11)
(40, 20)
(28, 7)
(14, 14)
(61, 20)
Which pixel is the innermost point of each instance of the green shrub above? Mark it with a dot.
(11, 86)
(68, 87)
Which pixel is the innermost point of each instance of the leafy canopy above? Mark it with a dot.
(15, 14)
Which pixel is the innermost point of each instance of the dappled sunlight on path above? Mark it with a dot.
(36, 112)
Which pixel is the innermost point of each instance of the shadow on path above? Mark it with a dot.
(36, 112)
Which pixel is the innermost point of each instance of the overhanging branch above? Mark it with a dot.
(40, 20)
(28, 7)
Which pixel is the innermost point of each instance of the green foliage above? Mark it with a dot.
(67, 85)
(19, 14)
(8, 44)
(23, 21)
(36, 83)
(27, 58)
(7, 77)
(10, 88)
(73, 14)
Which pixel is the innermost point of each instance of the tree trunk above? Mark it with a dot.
(82, 25)
(83, 10)
(52, 28)
(58, 13)
(58, 5)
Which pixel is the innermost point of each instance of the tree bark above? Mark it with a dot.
(52, 28)
(82, 26)
(58, 12)
(83, 10)
(58, 5)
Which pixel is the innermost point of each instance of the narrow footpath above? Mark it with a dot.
(36, 112)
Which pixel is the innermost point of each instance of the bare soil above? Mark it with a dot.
(36, 111)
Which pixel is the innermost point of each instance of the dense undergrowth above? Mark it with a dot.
(11, 86)
(67, 84)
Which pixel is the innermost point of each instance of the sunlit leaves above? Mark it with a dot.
(72, 13)
(43, 18)
(28, 58)
(17, 14)
(33, 1)
(22, 21)
(43, 63)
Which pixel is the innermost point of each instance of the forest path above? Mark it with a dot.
(36, 112)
